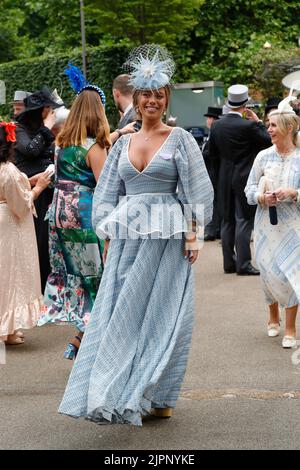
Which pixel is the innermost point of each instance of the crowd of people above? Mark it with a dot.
(82, 244)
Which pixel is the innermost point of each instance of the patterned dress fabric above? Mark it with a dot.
(277, 247)
(75, 251)
(20, 285)
(134, 352)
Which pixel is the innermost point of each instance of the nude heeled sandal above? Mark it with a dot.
(162, 412)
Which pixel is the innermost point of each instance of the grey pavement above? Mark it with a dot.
(241, 389)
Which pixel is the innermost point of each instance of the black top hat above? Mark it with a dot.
(213, 112)
(272, 103)
(37, 100)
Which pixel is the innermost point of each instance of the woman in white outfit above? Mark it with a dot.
(275, 181)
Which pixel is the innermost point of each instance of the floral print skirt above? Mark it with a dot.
(76, 265)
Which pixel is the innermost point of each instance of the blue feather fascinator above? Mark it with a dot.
(79, 83)
(150, 67)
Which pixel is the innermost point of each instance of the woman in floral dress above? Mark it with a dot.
(75, 251)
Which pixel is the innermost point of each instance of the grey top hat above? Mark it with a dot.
(237, 96)
(20, 95)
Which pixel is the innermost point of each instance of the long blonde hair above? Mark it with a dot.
(285, 121)
(86, 119)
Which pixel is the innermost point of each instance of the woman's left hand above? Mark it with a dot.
(285, 193)
(191, 255)
(33, 179)
(129, 129)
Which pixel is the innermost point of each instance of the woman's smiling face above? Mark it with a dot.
(152, 103)
(273, 130)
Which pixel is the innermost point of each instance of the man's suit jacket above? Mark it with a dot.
(127, 118)
(236, 142)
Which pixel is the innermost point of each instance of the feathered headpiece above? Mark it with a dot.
(284, 106)
(150, 67)
(10, 130)
(79, 83)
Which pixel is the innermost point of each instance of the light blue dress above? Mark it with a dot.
(277, 247)
(134, 352)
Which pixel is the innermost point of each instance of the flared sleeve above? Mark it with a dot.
(256, 182)
(17, 193)
(109, 189)
(195, 190)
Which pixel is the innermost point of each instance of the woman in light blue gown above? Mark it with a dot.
(153, 192)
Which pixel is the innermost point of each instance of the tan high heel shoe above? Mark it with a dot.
(162, 412)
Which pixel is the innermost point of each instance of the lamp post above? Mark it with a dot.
(83, 37)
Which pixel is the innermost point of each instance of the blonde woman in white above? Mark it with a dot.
(275, 181)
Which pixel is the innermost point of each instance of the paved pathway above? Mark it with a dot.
(241, 389)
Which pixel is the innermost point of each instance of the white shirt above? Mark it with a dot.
(128, 109)
(235, 112)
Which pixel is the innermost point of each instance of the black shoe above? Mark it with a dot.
(249, 271)
(209, 238)
(230, 271)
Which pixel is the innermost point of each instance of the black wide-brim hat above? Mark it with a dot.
(272, 103)
(39, 99)
(213, 112)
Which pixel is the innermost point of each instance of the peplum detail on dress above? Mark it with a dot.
(143, 216)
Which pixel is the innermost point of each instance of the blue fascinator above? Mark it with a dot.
(79, 83)
(150, 67)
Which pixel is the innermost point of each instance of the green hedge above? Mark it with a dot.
(103, 64)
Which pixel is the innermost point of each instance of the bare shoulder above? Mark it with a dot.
(95, 150)
(95, 153)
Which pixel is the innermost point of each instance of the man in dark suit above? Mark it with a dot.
(212, 230)
(236, 139)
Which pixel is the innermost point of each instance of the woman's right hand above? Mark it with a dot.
(49, 121)
(270, 199)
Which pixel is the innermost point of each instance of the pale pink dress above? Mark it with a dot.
(20, 289)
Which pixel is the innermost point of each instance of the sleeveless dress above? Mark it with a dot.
(277, 247)
(75, 251)
(134, 351)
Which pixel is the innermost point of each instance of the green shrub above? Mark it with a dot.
(103, 64)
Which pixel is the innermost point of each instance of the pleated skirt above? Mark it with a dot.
(135, 348)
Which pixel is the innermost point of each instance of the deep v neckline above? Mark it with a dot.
(152, 158)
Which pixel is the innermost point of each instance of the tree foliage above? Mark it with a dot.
(230, 36)
(210, 39)
(143, 21)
